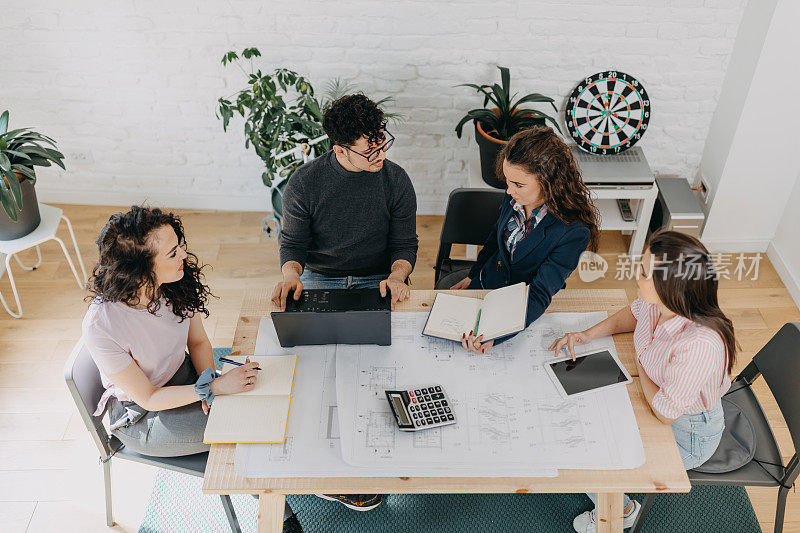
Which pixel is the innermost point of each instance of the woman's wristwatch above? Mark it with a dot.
(203, 385)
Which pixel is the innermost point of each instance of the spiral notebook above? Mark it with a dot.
(258, 415)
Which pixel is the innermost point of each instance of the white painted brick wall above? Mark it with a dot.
(129, 88)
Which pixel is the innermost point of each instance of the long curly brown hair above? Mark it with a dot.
(126, 260)
(542, 153)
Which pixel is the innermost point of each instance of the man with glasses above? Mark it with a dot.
(349, 220)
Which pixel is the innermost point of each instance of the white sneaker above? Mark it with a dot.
(584, 522)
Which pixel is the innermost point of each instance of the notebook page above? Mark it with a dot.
(242, 418)
(274, 378)
(452, 316)
(504, 311)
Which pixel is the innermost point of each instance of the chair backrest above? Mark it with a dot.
(779, 363)
(86, 387)
(471, 214)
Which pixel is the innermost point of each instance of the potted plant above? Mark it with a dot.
(281, 112)
(20, 151)
(495, 125)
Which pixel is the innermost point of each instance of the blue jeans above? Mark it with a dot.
(697, 437)
(315, 280)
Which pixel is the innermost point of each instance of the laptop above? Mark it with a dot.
(335, 316)
(629, 168)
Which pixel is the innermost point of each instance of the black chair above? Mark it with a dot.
(471, 214)
(83, 381)
(779, 363)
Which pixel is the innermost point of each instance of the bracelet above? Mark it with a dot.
(203, 385)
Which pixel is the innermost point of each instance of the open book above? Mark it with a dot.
(257, 415)
(500, 313)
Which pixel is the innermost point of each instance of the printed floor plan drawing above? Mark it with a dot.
(511, 421)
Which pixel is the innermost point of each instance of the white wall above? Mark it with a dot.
(784, 250)
(753, 163)
(128, 88)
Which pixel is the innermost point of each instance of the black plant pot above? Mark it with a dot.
(29, 217)
(489, 148)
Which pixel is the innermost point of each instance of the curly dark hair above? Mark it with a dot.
(352, 116)
(545, 155)
(125, 265)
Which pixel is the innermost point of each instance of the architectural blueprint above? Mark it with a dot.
(508, 411)
(312, 446)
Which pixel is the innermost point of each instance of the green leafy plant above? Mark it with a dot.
(281, 112)
(507, 118)
(279, 109)
(20, 151)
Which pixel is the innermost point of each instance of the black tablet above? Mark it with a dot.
(589, 372)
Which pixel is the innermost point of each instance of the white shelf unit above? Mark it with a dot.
(642, 201)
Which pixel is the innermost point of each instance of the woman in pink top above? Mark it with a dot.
(145, 315)
(685, 348)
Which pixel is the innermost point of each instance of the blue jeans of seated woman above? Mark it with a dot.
(315, 280)
(697, 437)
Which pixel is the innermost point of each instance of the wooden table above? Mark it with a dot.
(662, 471)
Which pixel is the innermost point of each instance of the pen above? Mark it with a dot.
(231, 361)
(477, 322)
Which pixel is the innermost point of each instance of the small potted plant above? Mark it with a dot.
(22, 150)
(495, 125)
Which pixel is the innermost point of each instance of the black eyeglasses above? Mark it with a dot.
(372, 155)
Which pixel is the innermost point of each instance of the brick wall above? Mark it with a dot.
(129, 88)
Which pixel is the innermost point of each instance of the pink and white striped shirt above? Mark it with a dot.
(685, 360)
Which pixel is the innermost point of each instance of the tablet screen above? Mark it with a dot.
(588, 372)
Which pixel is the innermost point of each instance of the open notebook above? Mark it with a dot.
(257, 415)
(501, 312)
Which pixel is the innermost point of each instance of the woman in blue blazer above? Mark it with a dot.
(546, 221)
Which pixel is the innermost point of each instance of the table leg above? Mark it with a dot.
(270, 512)
(608, 512)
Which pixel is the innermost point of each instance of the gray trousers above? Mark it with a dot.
(167, 433)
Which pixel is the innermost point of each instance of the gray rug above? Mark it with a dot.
(177, 504)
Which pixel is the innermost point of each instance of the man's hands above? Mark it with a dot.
(463, 284)
(398, 290)
(291, 282)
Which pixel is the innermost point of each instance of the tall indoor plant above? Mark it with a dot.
(496, 124)
(281, 111)
(22, 150)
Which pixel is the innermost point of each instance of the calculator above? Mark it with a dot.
(421, 408)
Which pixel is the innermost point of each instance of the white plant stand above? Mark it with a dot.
(46, 231)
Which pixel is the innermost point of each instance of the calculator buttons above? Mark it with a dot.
(427, 398)
(440, 411)
(438, 389)
(424, 391)
(430, 421)
(437, 404)
(444, 402)
(449, 417)
(430, 406)
(416, 391)
(446, 409)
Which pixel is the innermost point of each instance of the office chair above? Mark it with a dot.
(779, 363)
(83, 381)
(471, 214)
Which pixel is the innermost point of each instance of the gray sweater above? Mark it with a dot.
(342, 223)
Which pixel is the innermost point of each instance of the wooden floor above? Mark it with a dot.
(50, 479)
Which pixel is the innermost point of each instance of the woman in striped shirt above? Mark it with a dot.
(684, 344)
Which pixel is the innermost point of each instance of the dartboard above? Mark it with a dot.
(608, 112)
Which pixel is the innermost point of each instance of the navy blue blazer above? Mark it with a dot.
(543, 259)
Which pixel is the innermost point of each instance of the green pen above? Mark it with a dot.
(477, 321)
